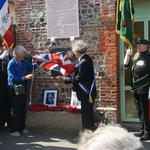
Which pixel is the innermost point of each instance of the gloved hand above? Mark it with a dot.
(127, 57)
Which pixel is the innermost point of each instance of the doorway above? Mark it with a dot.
(141, 31)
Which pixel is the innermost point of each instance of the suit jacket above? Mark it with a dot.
(83, 74)
(49, 100)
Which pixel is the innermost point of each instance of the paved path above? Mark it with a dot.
(37, 140)
(147, 145)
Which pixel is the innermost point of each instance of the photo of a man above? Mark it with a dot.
(50, 98)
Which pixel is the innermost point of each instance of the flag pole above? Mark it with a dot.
(30, 101)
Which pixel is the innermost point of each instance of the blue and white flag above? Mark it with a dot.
(6, 30)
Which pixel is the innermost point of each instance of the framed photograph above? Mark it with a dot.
(74, 100)
(50, 97)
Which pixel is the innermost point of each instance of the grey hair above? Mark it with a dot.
(80, 46)
(109, 137)
(18, 50)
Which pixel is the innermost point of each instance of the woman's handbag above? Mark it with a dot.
(19, 89)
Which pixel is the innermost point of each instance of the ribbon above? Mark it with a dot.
(84, 88)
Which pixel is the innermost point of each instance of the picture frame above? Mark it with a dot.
(50, 97)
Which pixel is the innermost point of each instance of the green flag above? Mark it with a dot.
(125, 20)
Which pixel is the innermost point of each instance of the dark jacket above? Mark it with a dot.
(84, 73)
(141, 72)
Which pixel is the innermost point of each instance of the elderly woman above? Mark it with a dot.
(18, 74)
(83, 83)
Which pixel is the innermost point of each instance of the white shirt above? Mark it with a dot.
(81, 57)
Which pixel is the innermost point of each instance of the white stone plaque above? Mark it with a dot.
(62, 18)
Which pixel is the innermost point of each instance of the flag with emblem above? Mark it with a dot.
(125, 21)
(55, 61)
(6, 30)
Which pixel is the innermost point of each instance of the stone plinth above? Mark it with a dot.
(54, 122)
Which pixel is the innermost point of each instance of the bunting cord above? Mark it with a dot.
(120, 7)
(117, 31)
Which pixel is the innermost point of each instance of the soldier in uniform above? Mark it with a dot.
(140, 87)
(4, 99)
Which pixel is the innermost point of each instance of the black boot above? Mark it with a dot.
(145, 137)
(139, 134)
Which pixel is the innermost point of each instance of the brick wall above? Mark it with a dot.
(97, 28)
(109, 41)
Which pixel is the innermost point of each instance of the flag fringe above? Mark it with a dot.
(127, 42)
(9, 48)
(117, 31)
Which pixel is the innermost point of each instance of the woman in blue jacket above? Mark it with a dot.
(18, 74)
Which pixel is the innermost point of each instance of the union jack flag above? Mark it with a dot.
(56, 61)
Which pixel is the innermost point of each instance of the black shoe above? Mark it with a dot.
(145, 137)
(139, 134)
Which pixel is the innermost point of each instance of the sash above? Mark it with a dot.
(87, 91)
(141, 82)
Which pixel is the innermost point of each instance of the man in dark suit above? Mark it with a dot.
(83, 83)
(49, 99)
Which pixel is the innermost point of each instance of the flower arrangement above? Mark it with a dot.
(43, 107)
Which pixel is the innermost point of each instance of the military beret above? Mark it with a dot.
(145, 42)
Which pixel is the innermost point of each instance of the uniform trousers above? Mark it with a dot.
(18, 111)
(142, 105)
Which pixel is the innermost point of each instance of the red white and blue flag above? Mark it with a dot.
(6, 30)
(56, 61)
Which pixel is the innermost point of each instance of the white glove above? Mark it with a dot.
(127, 57)
(4, 54)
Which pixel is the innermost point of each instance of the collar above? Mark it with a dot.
(16, 60)
(81, 57)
